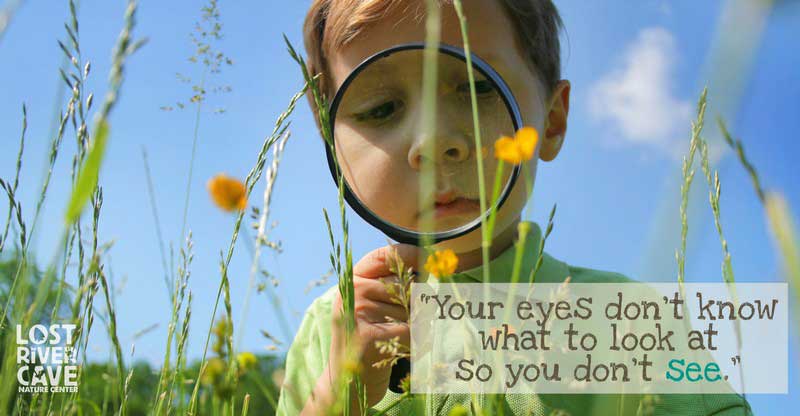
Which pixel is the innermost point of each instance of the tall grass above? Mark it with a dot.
(207, 32)
(156, 221)
(11, 188)
(80, 247)
(262, 238)
(343, 267)
(164, 397)
(87, 253)
(776, 210)
(280, 128)
(687, 176)
(85, 190)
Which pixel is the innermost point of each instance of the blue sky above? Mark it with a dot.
(636, 70)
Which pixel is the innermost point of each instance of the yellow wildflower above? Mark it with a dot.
(215, 368)
(441, 263)
(221, 331)
(246, 361)
(228, 193)
(518, 149)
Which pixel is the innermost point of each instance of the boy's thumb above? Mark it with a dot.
(381, 261)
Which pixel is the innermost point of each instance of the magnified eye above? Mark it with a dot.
(380, 112)
(482, 87)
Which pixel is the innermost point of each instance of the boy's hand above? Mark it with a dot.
(372, 305)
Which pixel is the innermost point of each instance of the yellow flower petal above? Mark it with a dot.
(228, 193)
(215, 367)
(442, 263)
(518, 149)
(505, 149)
(246, 361)
(526, 139)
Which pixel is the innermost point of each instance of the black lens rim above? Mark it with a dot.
(403, 235)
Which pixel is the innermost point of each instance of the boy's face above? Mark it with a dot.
(389, 174)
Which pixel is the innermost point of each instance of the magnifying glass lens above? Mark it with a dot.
(398, 173)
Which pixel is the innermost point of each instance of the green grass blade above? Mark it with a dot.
(89, 174)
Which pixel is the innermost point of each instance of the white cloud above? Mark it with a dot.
(637, 98)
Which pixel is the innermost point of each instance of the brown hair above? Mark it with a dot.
(332, 24)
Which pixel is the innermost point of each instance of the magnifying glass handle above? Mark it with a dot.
(399, 371)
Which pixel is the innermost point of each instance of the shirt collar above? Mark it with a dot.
(501, 267)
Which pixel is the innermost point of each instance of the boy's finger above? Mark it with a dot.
(377, 312)
(376, 289)
(377, 263)
(390, 330)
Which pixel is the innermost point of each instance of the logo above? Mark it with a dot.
(46, 359)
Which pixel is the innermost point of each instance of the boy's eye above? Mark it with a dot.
(482, 87)
(380, 112)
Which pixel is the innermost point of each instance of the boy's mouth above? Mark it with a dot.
(458, 206)
(450, 204)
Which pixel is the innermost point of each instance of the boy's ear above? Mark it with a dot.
(555, 126)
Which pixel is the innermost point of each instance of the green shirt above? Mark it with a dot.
(308, 356)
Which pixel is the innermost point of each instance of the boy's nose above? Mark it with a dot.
(448, 149)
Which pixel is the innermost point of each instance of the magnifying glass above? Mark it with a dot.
(380, 145)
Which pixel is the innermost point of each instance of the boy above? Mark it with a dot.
(519, 38)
